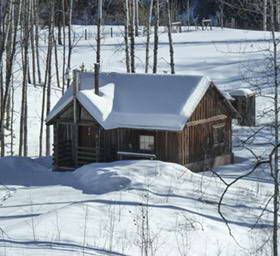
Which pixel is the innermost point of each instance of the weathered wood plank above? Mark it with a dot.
(82, 153)
(91, 159)
(86, 149)
(206, 121)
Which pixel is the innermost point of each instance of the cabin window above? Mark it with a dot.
(219, 133)
(147, 143)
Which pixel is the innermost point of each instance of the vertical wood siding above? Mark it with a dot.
(198, 139)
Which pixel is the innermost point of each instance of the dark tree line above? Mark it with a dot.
(85, 12)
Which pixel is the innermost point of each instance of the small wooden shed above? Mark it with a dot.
(176, 118)
(244, 101)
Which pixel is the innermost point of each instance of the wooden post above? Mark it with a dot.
(86, 37)
(55, 146)
(75, 135)
(112, 32)
(118, 143)
(96, 78)
(98, 135)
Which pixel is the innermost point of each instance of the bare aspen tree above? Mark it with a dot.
(36, 23)
(277, 15)
(4, 34)
(43, 109)
(64, 44)
(1, 86)
(222, 15)
(49, 75)
(59, 20)
(16, 10)
(4, 16)
(5, 8)
(264, 15)
(32, 41)
(169, 28)
(69, 40)
(272, 14)
(189, 16)
(8, 112)
(47, 84)
(132, 35)
(148, 36)
(2, 132)
(98, 39)
(136, 4)
(275, 167)
(276, 156)
(126, 36)
(25, 47)
(56, 63)
(156, 36)
(12, 118)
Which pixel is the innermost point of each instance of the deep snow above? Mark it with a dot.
(98, 209)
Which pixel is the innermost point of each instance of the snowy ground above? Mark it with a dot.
(105, 209)
(100, 209)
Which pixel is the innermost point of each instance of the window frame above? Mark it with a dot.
(148, 144)
(219, 134)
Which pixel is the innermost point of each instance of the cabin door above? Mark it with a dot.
(88, 151)
(87, 136)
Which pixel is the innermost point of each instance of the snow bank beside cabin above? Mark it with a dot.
(95, 178)
(24, 171)
(100, 178)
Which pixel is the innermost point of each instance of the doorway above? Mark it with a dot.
(87, 136)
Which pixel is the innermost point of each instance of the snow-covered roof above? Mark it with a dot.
(228, 96)
(242, 92)
(144, 101)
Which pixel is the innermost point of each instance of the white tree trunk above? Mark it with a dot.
(265, 15)
(132, 35)
(277, 14)
(136, 18)
(156, 37)
(69, 41)
(148, 36)
(98, 39)
(126, 36)
(171, 49)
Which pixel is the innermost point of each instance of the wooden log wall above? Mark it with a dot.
(197, 137)
(166, 143)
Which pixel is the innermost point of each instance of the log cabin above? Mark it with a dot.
(183, 119)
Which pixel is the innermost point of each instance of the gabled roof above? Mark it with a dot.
(143, 101)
